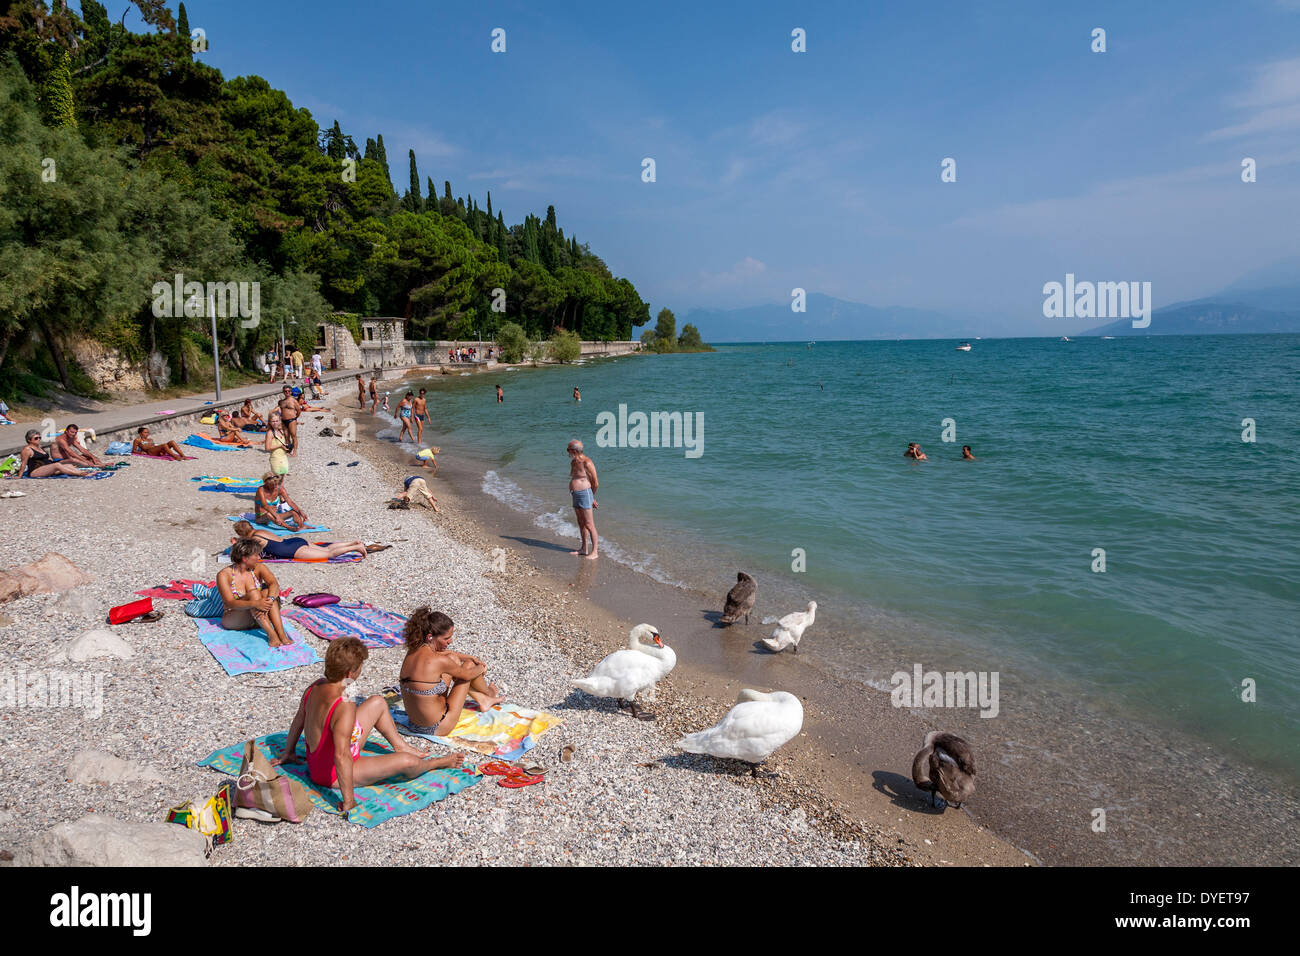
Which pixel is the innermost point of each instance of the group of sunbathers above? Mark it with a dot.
(66, 456)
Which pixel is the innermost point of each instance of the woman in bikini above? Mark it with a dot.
(144, 446)
(34, 462)
(251, 593)
(434, 680)
(272, 505)
(295, 549)
(404, 415)
(228, 432)
(340, 729)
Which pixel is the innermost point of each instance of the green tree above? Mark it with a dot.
(565, 346)
(59, 107)
(690, 341)
(183, 28)
(665, 339)
(513, 341)
(412, 200)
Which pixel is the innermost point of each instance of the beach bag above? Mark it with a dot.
(211, 818)
(129, 612)
(9, 464)
(118, 448)
(319, 599)
(206, 603)
(263, 793)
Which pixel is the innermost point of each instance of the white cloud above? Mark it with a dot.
(746, 270)
(1271, 102)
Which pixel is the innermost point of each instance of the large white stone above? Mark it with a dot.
(100, 840)
(95, 766)
(99, 643)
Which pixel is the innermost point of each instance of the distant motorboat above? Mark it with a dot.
(1104, 337)
(1065, 338)
(964, 347)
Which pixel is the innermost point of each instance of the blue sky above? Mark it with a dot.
(821, 169)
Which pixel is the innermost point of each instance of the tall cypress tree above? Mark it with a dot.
(501, 237)
(183, 29)
(489, 209)
(412, 197)
(530, 239)
(381, 154)
(431, 194)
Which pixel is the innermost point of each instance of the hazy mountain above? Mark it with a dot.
(1266, 300)
(828, 319)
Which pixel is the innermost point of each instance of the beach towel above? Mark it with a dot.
(506, 732)
(247, 652)
(374, 626)
(226, 480)
(232, 489)
(183, 590)
(140, 454)
(98, 474)
(375, 804)
(205, 441)
(276, 529)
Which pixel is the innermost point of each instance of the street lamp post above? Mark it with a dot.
(216, 365)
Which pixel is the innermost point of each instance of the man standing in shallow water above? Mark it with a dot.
(582, 487)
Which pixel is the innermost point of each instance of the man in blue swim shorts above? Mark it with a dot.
(582, 488)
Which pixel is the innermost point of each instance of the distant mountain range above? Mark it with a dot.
(1267, 300)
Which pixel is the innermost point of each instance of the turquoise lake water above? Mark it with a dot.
(1131, 445)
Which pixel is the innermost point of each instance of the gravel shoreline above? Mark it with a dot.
(626, 798)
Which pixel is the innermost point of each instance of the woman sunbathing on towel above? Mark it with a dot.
(228, 432)
(143, 445)
(246, 417)
(273, 505)
(435, 680)
(251, 593)
(341, 728)
(295, 549)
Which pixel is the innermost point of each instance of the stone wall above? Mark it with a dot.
(111, 372)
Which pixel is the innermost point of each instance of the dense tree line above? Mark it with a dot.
(160, 166)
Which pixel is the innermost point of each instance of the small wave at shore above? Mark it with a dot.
(517, 499)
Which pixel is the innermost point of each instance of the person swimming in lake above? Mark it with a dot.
(436, 680)
(340, 729)
(967, 454)
(914, 451)
(582, 488)
(501, 395)
(577, 395)
(250, 593)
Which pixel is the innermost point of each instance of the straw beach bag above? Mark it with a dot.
(263, 793)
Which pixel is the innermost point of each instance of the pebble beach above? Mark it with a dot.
(625, 797)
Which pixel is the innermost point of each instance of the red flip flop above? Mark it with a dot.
(520, 779)
(497, 768)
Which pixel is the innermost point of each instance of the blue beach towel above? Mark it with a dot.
(247, 652)
(95, 475)
(232, 488)
(375, 804)
(275, 528)
(198, 441)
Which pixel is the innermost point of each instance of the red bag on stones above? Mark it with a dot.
(129, 612)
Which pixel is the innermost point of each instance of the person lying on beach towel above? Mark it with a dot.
(144, 445)
(435, 680)
(274, 506)
(247, 417)
(340, 728)
(34, 462)
(228, 433)
(295, 549)
(250, 593)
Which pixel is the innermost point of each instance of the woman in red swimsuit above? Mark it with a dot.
(340, 729)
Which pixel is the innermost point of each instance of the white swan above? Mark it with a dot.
(624, 674)
(789, 630)
(752, 730)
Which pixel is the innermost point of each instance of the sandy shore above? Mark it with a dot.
(627, 797)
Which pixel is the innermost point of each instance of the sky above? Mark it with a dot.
(821, 170)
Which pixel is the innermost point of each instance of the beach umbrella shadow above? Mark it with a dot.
(902, 792)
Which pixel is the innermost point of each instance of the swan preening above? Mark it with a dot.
(945, 765)
(752, 730)
(789, 629)
(740, 600)
(624, 674)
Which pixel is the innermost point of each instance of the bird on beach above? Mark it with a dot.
(789, 629)
(626, 673)
(945, 765)
(740, 599)
(751, 731)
